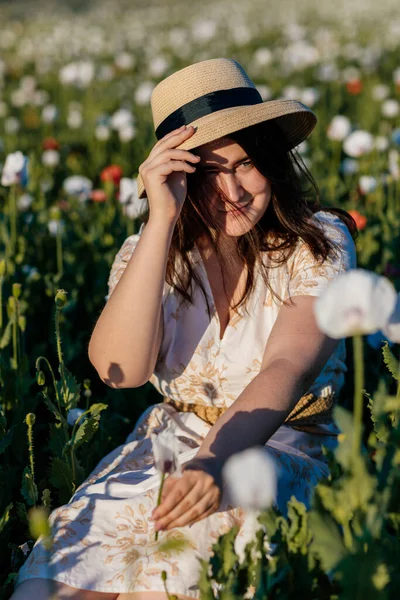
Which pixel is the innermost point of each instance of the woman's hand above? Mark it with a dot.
(164, 174)
(187, 499)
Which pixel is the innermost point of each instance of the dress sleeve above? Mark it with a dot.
(121, 260)
(307, 276)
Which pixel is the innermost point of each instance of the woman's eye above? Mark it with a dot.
(247, 163)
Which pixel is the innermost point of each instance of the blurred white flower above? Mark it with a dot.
(126, 134)
(78, 185)
(351, 74)
(49, 113)
(204, 30)
(166, 452)
(24, 202)
(251, 479)
(291, 92)
(262, 57)
(80, 73)
(40, 97)
(32, 273)
(121, 119)
(367, 184)
(392, 328)
(74, 119)
(265, 91)
(358, 143)
(299, 55)
(327, 72)
(124, 61)
(158, 66)
(356, 302)
(143, 93)
(381, 143)
(102, 132)
(128, 196)
(396, 76)
(73, 415)
(19, 98)
(15, 169)
(390, 108)
(339, 128)
(380, 92)
(12, 125)
(54, 226)
(50, 158)
(302, 148)
(309, 96)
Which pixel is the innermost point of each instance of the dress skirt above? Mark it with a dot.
(103, 540)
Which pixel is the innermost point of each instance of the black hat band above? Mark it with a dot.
(207, 104)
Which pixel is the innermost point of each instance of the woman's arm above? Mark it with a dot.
(295, 353)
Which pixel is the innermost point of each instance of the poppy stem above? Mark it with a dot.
(159, 496)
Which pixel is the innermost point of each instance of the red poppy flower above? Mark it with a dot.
(112, 173)
(98, 195)
(50, 143)
(354, 86)
(63, 204)
(361, 220)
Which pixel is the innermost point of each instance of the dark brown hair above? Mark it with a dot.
(294, 199)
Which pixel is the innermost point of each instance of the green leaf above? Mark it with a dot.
(5, 517)
(62, 479)
(53, 409)
(326, 541)
(29, 489)
(6, 337)
(391, 362)
(89, 426)
(73, 389)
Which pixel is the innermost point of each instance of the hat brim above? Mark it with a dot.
(296, 120)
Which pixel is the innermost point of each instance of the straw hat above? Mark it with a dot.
(217, 97)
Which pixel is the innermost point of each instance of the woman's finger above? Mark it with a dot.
(171, 154)
(171, 140)
(196, 513)
(182, 507)
(173, 497)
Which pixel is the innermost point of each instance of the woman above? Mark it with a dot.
(213, 303)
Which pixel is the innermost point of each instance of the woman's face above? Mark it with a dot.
(225, 163)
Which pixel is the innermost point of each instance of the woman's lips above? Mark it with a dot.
(237, 210)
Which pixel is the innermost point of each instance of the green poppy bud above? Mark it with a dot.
(61, 298)
(40, 378)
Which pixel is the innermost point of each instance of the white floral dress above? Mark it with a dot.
(103, 540)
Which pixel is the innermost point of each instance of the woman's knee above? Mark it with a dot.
(44, 588)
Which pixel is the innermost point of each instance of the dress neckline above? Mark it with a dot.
(210, 295)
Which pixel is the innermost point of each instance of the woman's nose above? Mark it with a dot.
(232, 187)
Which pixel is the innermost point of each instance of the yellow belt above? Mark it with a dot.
(310, 410)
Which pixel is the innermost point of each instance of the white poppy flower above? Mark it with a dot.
(339, 128)
(24, 202)
(251, 478)
(73, 415)
(74, 119)
(124, 61)
(121, 118)
(78, 185)
(392, 328)
(367, 184)
(394, 168)
(15, 169)
(49, 113)
(126, 134)
(349, 166)
(143, 93)
(390, 108)
(380, 92)
(102, 133)
(54, 226)
(262, 57)
(12, 125)
(309, 96)
(358, 143)
(381, 143)
(356, 302)
(158, 66)
(166, 452)
(50, 158)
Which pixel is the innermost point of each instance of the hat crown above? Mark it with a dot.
(195, 81)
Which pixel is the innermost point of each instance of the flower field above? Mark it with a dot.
(75, 124)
